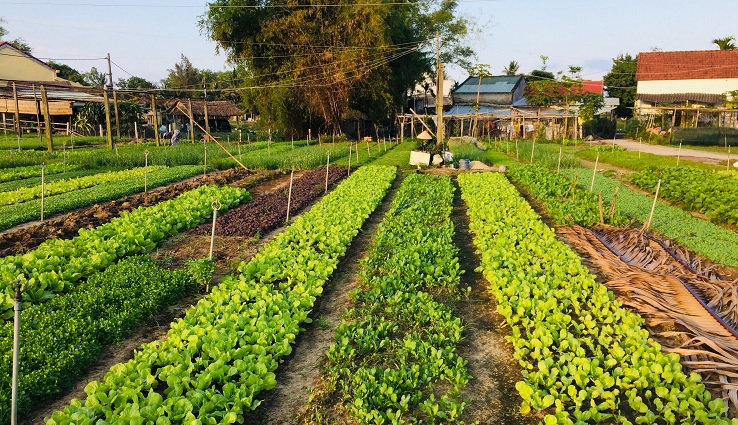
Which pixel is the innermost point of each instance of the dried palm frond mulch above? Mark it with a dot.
(646, 278)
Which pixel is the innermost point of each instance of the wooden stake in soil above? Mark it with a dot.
(517, 155)
(640, 142)
(611, 213)
(327, 164)
(679, 153)
(205, 157)
(216, 206)
(64, 151)
(599, 202)
(146, 170)
(368, 154)
(17, 307)
(532, 150)
(728, 166)
(289, 196)
(558, 165)
(349, 165)
(594, 173)
(653, 206)
(43, 189)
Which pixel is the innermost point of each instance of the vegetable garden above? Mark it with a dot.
(613, 308)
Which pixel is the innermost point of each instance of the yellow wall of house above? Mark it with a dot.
(15, 66)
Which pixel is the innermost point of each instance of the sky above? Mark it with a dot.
(146, 40)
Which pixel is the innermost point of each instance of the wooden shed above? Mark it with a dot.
(219, 112)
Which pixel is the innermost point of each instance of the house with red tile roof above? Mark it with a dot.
(687, 91)
(686, 78)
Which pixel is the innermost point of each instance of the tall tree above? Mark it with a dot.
(95, 78)
(133, 83)
(621, 83)
(511, 69)
(68, 73)
(312, 65)
(726, 43)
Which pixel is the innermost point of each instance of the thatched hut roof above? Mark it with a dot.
(216, 108)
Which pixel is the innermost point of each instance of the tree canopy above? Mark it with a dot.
(311, 64)
(68, 73)
(621, 83)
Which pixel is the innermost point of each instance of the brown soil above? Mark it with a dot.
(29, 235)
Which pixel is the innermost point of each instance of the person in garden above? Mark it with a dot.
(175, 137)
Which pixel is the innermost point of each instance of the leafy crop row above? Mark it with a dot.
(395, 357)
(565, 202)
(18, 173)
(223, 353)
(585, 358)
(711, 193)
(707, 239)
(68, 185)
(35, 181)
(11, 215)
(62, 337)
(57, 264)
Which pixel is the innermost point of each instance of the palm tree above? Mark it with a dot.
(511, 69)
(726, 43)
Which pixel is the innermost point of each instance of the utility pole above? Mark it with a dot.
(205, 106)
(115, 99)
(439, 94)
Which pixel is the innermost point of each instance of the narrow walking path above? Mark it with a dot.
(698, 155)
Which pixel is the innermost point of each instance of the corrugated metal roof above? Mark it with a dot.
(494, 84)
(680, 97)
(61, 95)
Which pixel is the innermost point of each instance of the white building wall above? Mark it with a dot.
(714, 86)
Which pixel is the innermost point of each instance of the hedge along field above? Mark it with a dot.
(707, 239)
(223, 353)
(585, 358)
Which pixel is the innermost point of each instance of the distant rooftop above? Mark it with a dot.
(494, 84)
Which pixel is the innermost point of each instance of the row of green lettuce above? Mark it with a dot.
(563, 199)
(708, 192)
(36, 181)
(18, 173)
(709, 240)
(395, 353)
(11, 215)
(61, 338)
(223, 353)
(585, 358)
(23, 194)
(55, 265)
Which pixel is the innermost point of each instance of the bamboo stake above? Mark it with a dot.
(327, 165)
(146, 170)
(209, 136)
(17, 307)
(532, 151)
(653, 206)
(289, 196)
(594, 173)
(43, 189)
(349, 157)
(599, 201)
(611, 213)
(558, 165)
(679, 153)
